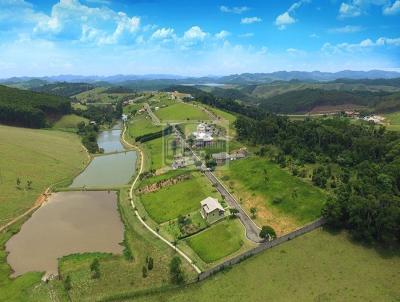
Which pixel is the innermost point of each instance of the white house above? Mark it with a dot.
(211, 210)
(203, 134)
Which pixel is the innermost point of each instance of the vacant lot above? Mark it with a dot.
(41, 156)
(393, 120)
(184, 197)
(141, 125)
(318, 266)
(181, 112)
(69, 121)
(219, 241)
(282, 200)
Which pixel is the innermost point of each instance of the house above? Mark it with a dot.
(203, 135)
(221, 158)
(124, 117)
(211, 210)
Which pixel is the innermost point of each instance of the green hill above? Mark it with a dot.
(30, 109)
(63, 88)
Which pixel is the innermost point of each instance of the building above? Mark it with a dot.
(211, 210)
(221, 158)
(203, 135)
(124, 117)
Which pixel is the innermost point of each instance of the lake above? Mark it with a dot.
(70, 222)
(107, 171)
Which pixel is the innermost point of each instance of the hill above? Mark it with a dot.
(30, 109)
(63, 88)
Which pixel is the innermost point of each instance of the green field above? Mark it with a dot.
(180, 199)
(141, 125)
(41, 156)
(181, 112)
(393, 120)
(155, 152)
(219, 241)
(69, 121)
(301, 201)
(318, 266)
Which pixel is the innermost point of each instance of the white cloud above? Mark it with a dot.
(250, 20)
(163, 33)
(285, 19)
(223, 34)
(392, 9)
(364, 45)
(346, 29)
(194, 33)
(234, 10)
(349, 10)
(246, 35)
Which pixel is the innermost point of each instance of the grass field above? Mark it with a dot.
(393, 120)
(141, 125)
(301, 201)
(179, 199)
(69, 121)
(181, 112)
(219, 241)
(41, 156)
(318, 266)
(155, 149)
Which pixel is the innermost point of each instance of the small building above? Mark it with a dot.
(221, 158)
(211, 210)
(124, 117)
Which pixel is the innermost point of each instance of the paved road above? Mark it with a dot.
(154, 118)
(252, 230)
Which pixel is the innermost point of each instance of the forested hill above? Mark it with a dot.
(63, 88)
(30, 109)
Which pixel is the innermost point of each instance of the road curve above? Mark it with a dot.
(137, 213)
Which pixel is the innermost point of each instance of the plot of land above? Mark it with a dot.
(393, 120)
(181, 112)
(318, 266)
(259, 183)
(219, 241)
(182, 198)
(41, 156)
(69, 121)
(141, 125)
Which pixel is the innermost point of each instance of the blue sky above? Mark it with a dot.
(207, 37)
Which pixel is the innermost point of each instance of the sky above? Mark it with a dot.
(196, 37)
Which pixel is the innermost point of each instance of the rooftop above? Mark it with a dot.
(210, 204)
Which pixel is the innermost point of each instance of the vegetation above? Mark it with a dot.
(267, 232)
(89, 135)
(41, 156)
(367, 199)
(69, 121)
(221, 240)
(180, 199)
(142, 125)
(30, 109)
(181, 112)
(63, 88)
(331, 268)
(177, 276)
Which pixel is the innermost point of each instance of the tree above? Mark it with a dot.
(150, 264)
(267, 232)
(67, 283)
(176, 273)
(253, 211)
(233, 212)
(95, 269)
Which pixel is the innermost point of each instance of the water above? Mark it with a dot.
(70, 222)
(107, 171)
(109, 140)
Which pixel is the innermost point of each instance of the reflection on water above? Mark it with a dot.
(70, 222)
(108, 170)
(109, 141)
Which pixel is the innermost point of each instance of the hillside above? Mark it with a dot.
(30, 109)
(63, 88)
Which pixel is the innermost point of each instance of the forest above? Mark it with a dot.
(30, 109)
(63, 88)
(366, 190)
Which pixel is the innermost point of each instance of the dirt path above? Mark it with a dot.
(137, 213)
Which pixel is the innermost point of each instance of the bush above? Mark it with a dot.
(267, 232)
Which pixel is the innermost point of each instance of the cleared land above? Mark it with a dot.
(181, 112)
(179, 199)
(318, 266)
(258, 183)
(141, 125)
(69, 121)
(41, 156)
(219, 241)
(393, 120)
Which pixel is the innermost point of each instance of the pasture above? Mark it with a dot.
(393, 120)
(283, 201)
(181, 112)
(69, 121)
(141, 125)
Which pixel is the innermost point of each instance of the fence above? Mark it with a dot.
(262, 247)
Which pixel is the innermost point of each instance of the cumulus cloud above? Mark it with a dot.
(223, 34)
(250, 20)
(393, 9)
(194, 33)
(366, 44)
(234, 9)
(286, 18)
(164, 33)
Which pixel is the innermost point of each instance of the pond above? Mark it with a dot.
(70, 222)
(107, 171)
(109, 140)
